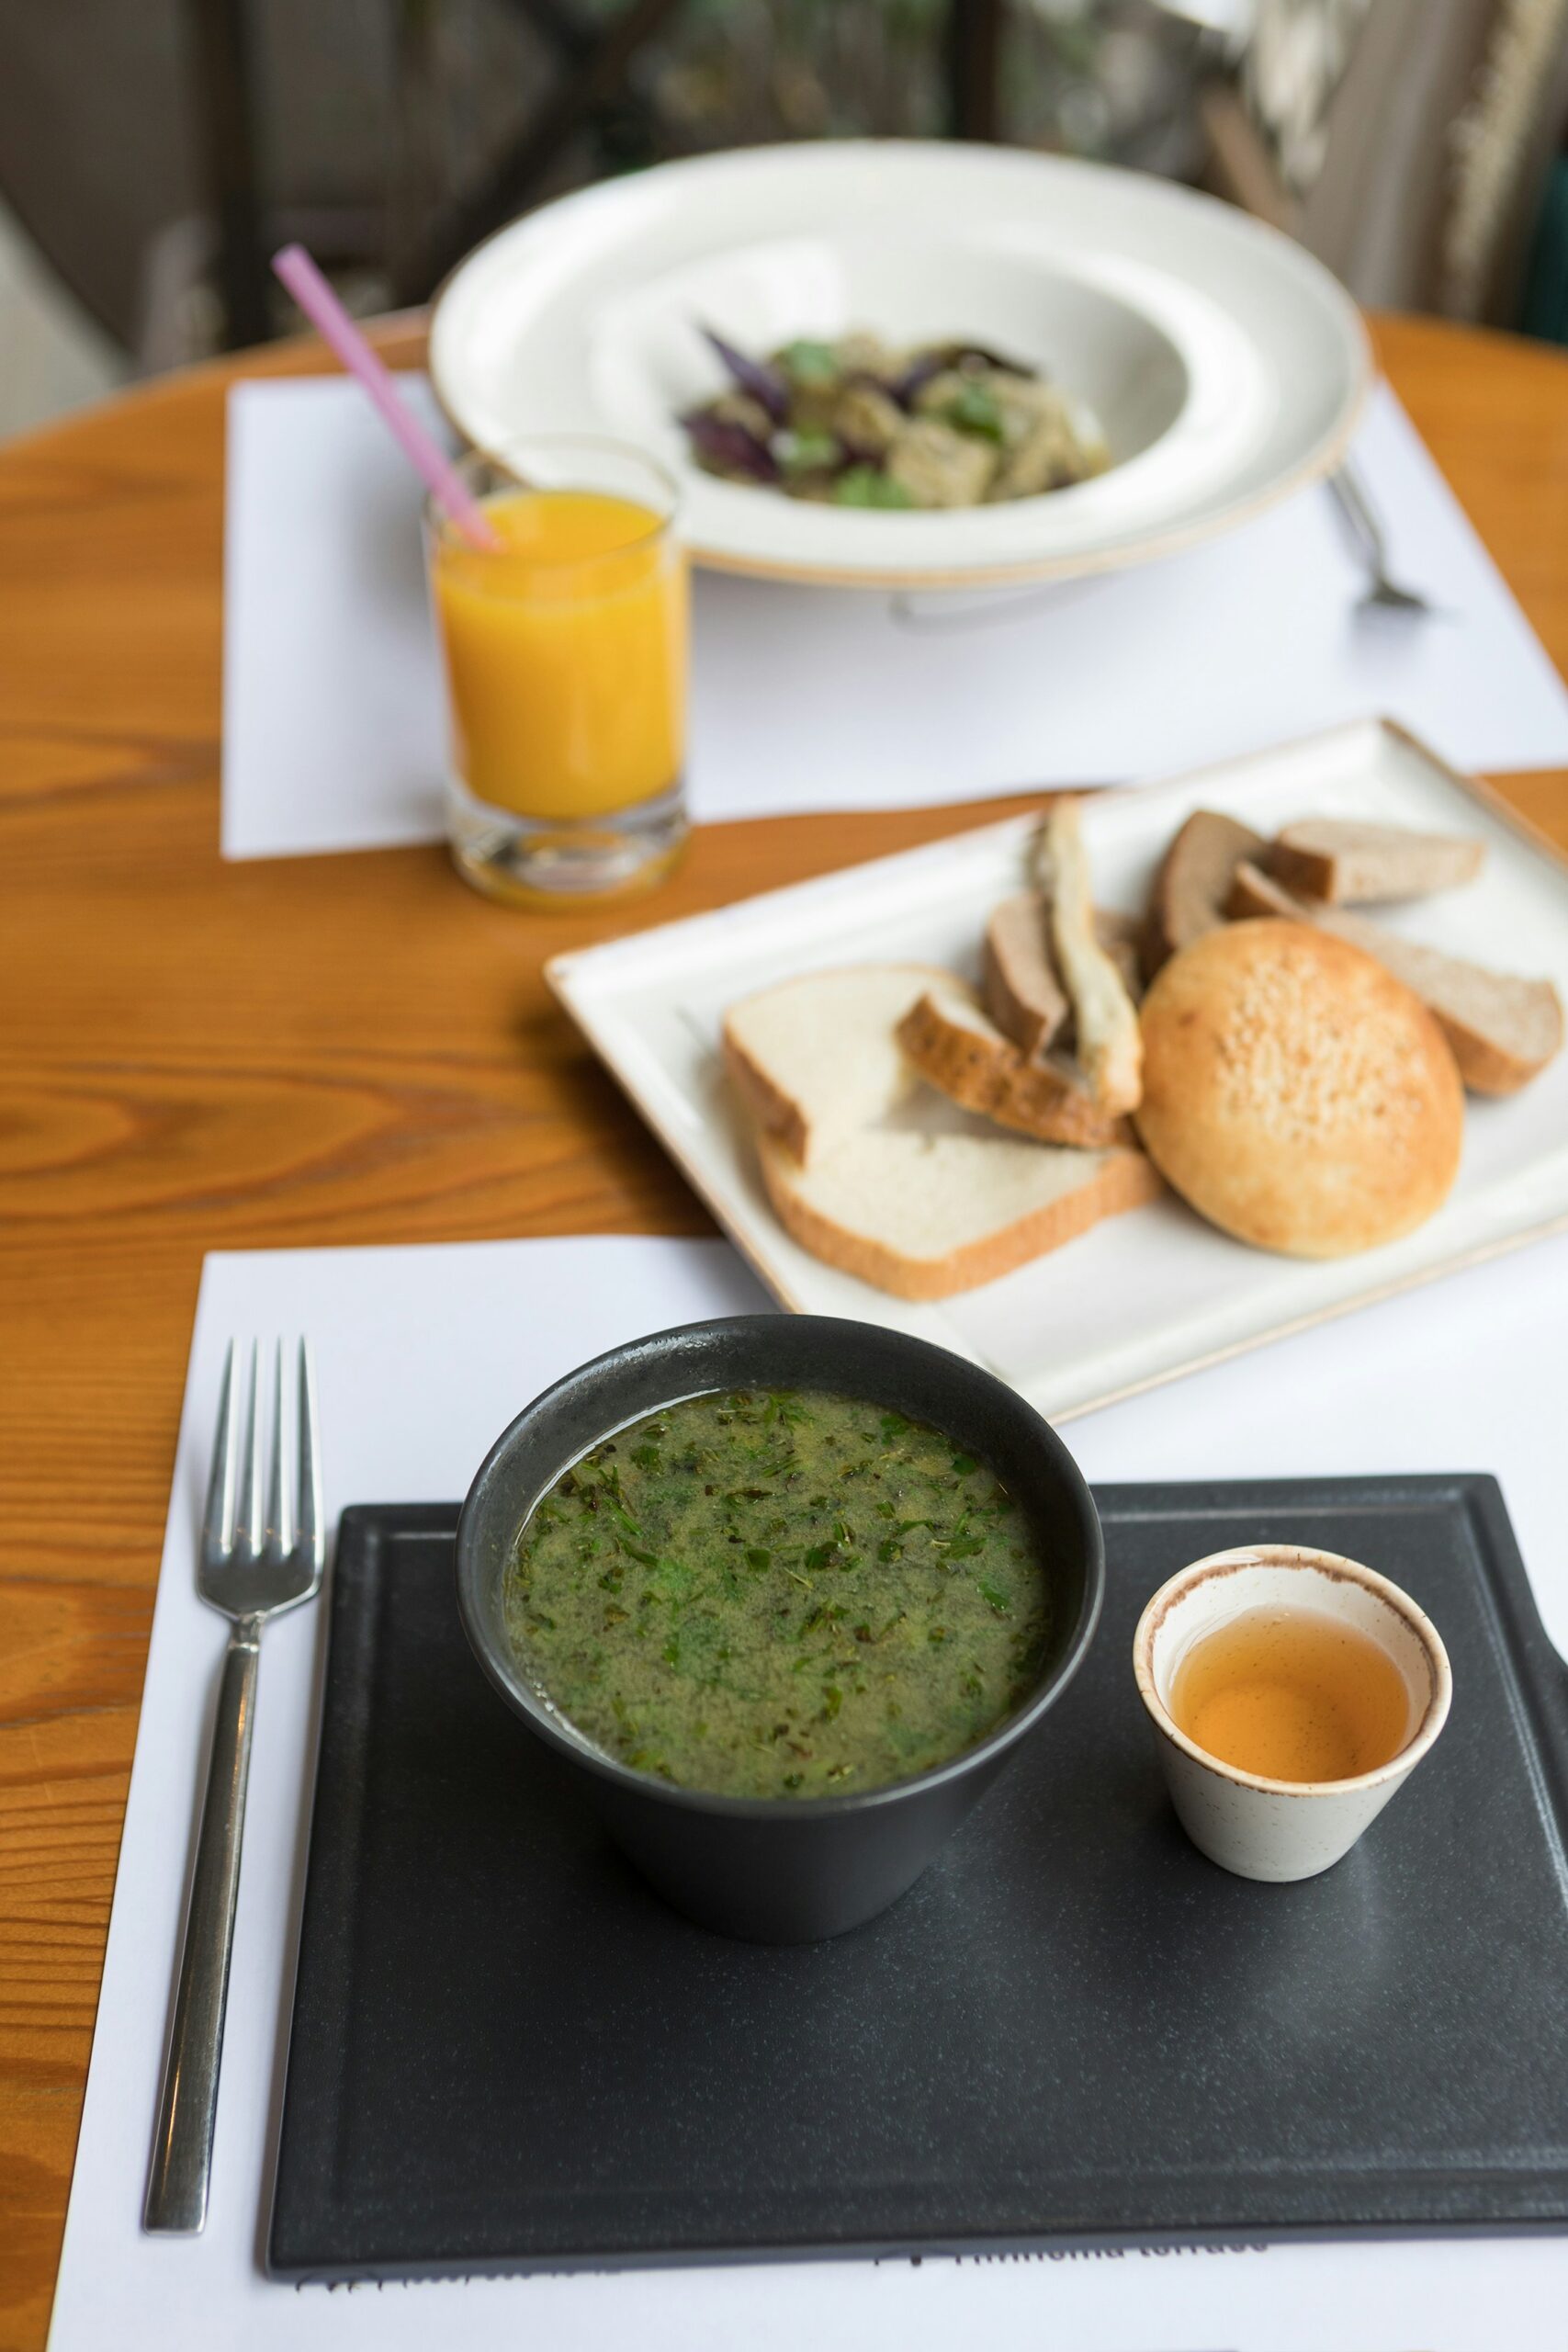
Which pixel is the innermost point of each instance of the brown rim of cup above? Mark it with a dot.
(1337, 1567)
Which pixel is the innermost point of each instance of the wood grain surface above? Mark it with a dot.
(202, 1057)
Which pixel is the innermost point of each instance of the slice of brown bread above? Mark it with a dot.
(951, 1042)
(924, 1215)
(1502, 1031)
(1355, 864)
(1022, 988)
(1254, 893)
(1119, 935)
(1195, 878)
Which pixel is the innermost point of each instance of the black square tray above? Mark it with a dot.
(508, 2054)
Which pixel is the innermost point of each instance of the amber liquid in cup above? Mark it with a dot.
(1292, 1695)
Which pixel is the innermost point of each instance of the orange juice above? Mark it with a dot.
(566, 653)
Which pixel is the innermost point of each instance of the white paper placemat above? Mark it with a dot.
(424, 1354)
(808, 699)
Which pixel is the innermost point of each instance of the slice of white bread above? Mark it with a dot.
(816, 1057)
(1356, 865)
(1502, 1031)
(1108, 1044)
(952, 1042)
(1189, 894)
(925, 1215)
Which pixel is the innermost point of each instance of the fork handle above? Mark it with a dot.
(1356, 508)
(181, 2145)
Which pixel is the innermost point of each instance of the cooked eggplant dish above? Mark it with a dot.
(855, 423)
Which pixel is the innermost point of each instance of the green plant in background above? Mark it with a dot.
(1545, 312)
(731, 72)
(1092, 77)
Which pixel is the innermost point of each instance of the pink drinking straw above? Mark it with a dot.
(327, 315)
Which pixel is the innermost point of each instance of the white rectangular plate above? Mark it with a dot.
(1156, 1292)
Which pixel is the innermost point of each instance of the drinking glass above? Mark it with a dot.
(565, 650)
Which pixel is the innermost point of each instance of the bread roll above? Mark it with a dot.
(1502, 1031)
(1296, 1093)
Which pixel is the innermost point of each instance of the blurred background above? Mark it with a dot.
(152, 153)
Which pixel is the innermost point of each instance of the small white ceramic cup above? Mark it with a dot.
(1283, 1829)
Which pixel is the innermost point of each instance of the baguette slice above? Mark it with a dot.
(1355, 864)
(1110, 1047)
(816, 1057)
(1023, 990)
(1503, 1030)
(1194, 877)
(951, 1042)
(925, 1215)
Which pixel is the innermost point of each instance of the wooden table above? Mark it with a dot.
(207, 1057)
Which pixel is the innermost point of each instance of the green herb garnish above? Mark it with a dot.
(719, 1567)
(975, 410)
(807, 452)
(810, 365)
(868, 486)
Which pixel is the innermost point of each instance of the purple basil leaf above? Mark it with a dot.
(962, 351)
(939, 357)
(918, 372)
(728, 447)
(765, 384)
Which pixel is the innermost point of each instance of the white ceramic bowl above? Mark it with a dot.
(1225, 363)
(1283, 1829)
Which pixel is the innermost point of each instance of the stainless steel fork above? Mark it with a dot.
(251, 1567)
(1382, 594)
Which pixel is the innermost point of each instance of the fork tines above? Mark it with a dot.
(237, 1519)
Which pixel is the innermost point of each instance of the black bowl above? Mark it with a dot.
(782, 1869)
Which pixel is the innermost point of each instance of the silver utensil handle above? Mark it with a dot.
(1359, 511)
(181, 2145)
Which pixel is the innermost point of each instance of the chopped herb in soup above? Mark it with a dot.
(776, 1594)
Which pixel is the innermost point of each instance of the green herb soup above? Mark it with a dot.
(775, 1594)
